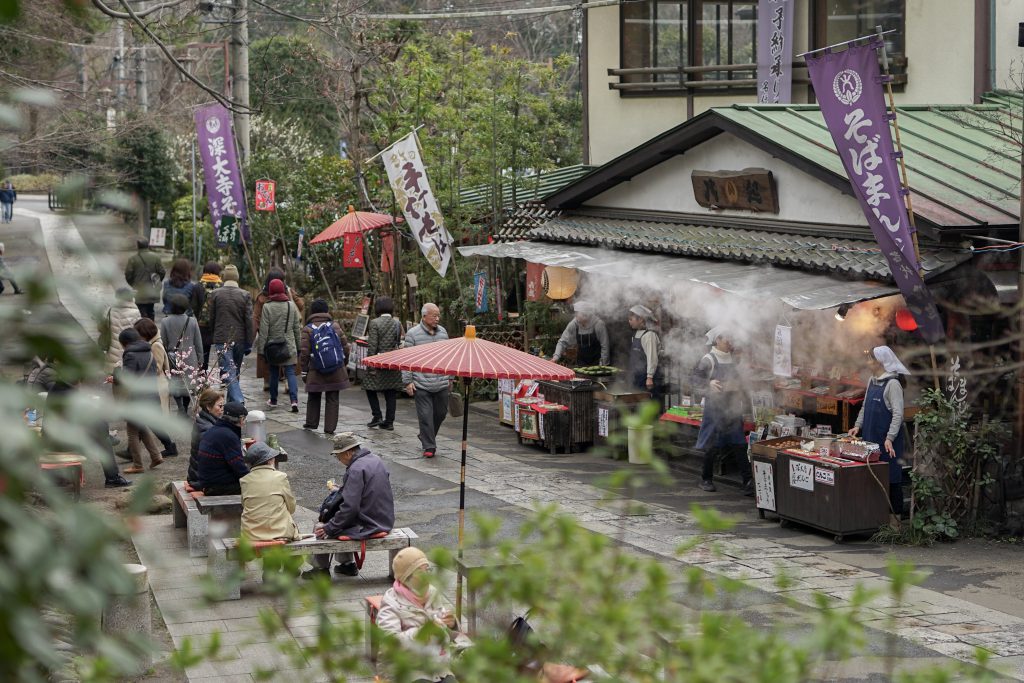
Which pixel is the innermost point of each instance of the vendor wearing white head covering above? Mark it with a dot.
(587, 334)
(881, 416)
(645, 353)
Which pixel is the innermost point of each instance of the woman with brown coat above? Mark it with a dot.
(262, 369)
(319, 383)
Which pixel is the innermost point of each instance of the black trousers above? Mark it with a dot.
(390, 399)
(330, 410)
(896, 498)
(223, 489)
(738, 452)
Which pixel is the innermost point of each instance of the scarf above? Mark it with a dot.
(210, 277)
(409, 594)
(722, 357)
(279, 297)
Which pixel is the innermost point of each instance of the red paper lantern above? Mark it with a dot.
(905, 320)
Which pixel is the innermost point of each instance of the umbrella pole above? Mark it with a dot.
(462, 492)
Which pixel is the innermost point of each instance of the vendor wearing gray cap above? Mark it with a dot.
(645, 353)
(585, 333)
(267, 499)
(362, 507)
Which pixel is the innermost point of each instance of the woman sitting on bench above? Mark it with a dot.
(411, 604)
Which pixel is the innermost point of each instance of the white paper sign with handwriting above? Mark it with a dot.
(801, 475)
(764, 485)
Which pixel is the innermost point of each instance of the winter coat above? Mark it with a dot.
(262, 369)
(7, 195)
(316, 382)
(384, 334)
(267, 505)
(418, 336)
(204, 421)
(144, 272)
(231, 316)
(119, 317)
(136, 379)
(190, 290)
(180, 335)
(219, 460)
(40, 376)
(403, 618)
(280, 320)
(209, 284)
(163, 371)
(365, 504)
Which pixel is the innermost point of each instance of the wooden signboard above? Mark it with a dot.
(827, 406)
(752, 189)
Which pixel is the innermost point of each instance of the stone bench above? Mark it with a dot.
(194, 516)
(223, 558)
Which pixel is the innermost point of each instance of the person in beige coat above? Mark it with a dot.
(411, 604)
(117, 318)
(267, 500)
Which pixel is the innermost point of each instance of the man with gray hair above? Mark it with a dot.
(587, 334)
(430, 391)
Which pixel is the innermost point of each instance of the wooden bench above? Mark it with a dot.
(222, 561)
(372, 604)
(195, 518)
(224, 515)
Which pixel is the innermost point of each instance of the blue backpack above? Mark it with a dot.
(325, 348)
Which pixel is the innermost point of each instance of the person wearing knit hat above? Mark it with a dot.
(278, 341)
(587, 334)
(209, 282)
(362, 507)
(322, 353)
(231, 329)
(645, 371)
(413, 603)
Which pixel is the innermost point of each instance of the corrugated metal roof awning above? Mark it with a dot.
(799, 289)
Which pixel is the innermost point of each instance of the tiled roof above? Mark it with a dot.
(528, 188)
(855, 259)
(524, 219)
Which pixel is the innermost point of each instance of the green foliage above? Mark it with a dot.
(42, 182)
(143, 159)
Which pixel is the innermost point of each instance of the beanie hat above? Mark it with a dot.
(319, 306)
(276, 287)
(128, 335)
(407, 562)
(230, 272)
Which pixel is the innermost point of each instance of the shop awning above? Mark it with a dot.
(799, 289)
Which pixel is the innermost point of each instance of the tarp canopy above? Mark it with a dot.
(799, 289)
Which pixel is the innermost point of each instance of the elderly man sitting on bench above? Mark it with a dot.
(267, 499)
(363, 507)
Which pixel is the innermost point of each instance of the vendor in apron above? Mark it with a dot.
(587, 334)
(881, 417)
(721, 428)
(645, 372)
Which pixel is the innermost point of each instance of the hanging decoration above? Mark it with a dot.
(534, 281)
(387, 252)
(480, 291)
(265, 195)
(905, 320)
(560, 283)
(352, 251)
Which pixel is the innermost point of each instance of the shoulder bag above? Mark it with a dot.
(276, 351)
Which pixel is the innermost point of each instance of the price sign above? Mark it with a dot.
(801, 475)
(764, 485)
(602, 422)
(824, 476)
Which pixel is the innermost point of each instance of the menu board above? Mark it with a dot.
(602, 422)
(764, 485)
(801, 475)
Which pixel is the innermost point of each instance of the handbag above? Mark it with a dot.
(455, 404)
(276, 351)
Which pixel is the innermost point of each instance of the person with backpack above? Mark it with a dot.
(210, 281)
(279, 340)
(179, 333)
(322, 355)
(384, 334)
(725, 400)
(149, 332)
(135, 381)
(881, 416)
(144, 272)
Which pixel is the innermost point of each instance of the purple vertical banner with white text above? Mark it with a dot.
(848, 86)
(224, 188)
(775, 51)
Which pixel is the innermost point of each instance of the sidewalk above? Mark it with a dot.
(930, 625)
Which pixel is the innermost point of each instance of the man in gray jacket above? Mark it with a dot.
(144, 272)
(231, 322)
(362, 507)
(430, 391)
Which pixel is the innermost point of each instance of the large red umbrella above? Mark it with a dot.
(469, 357)
(353, 222)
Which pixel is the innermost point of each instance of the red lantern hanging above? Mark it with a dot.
(905, 320)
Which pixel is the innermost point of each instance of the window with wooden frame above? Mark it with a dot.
(658, 54)
(836, 21)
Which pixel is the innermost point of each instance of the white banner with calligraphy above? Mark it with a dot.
(408, 180)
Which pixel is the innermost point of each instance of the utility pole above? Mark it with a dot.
(141, 86)
(119, 64)
(240, 64)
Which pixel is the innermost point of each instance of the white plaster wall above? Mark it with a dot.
(940, 52)
(667, 186)
(1009, 59)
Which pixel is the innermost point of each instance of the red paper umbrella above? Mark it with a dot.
(353, 222)
(469, 357)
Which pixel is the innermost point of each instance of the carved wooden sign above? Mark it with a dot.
(752, 189)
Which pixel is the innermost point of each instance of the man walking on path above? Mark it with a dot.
(231, 322)
(431, 391)
(8, 196)
(144, 273)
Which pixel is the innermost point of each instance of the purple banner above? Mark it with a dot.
(848, 86)
(775, 51)
(224, 188)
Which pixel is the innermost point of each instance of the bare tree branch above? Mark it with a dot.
(98, 4)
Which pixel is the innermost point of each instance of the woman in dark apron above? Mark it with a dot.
(721, 428)
(587, 334)
(881, 417)
(641, 374)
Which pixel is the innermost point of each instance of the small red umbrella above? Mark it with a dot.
(353, 222)
(469, 357)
